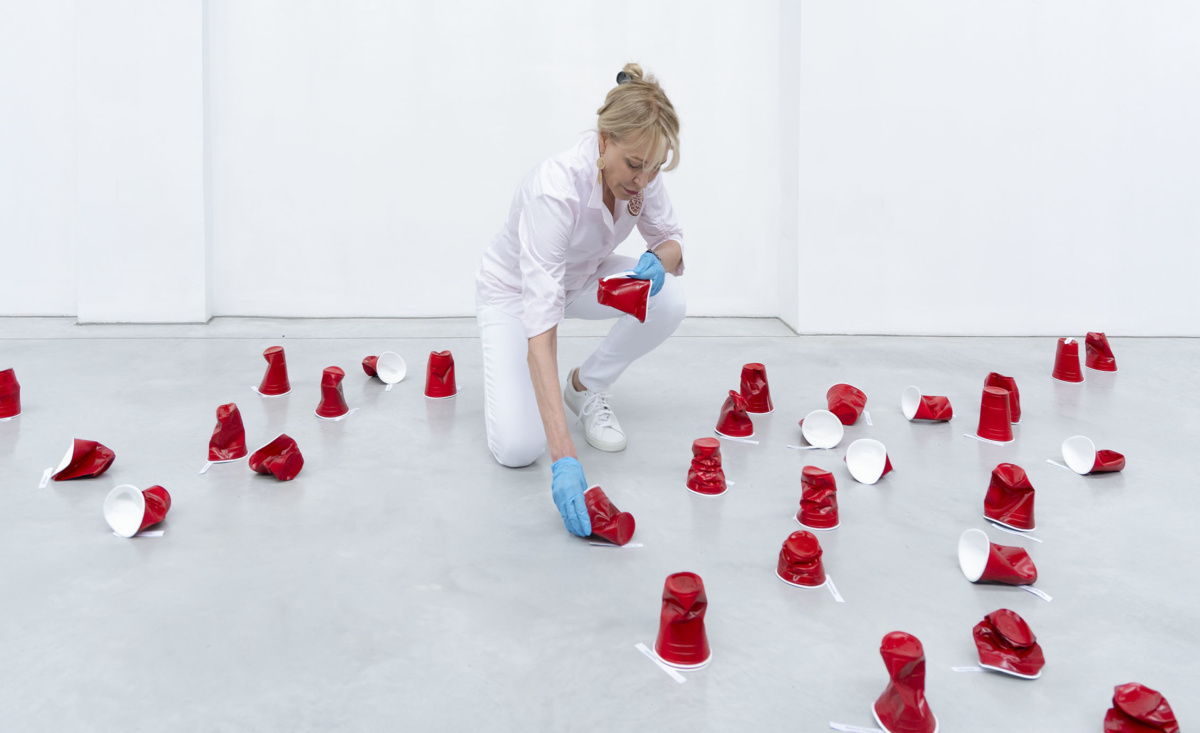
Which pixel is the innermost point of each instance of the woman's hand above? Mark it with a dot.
(649, 267)
(567, 489)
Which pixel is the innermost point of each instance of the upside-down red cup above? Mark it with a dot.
(917, 406)
(1066, 361)
(818, 499)
(800, 561)
(867, 460)
(733, 421)
(822, 429)
(983, 561)
(1009, 499)
(995, 416)
(129, 511)
(608, 522)
(705, 476)
(846, 402)
(1014, 395)
(10, 394)
(1099, 353)
(228, 441)
(275, 381)
(281, 458)
(84, 459)
(626, 294)
(902, 708)
(1006, 644)
(439, 375)
(1139, 709)
(1082, 457)
(756, 390)
(333, 401)
(682, 641)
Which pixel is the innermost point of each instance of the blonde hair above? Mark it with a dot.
(637, 109)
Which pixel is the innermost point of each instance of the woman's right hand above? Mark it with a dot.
(567, 489)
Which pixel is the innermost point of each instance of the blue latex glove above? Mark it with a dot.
(649, 267)
(567, 490)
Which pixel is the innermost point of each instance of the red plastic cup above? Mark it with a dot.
(228, 441)
(84, 459)
(733, 421)
(818, 499)
(756, 390)
(625, 294)
(439, 375)
(129, 511)
(682, 642)
(275, 381)
(10, 395)
(1006, 644)
(800, 561)
(1099, 354)
(995, 416)
(846, 402)
(983, 561)
(705, 476)
(333, 402)
(1081, 456)
(368, 365)
(280, 458)
(388, 367)
(867, 460)
(822, 429)
(1066, 361)
(1009, 499)
(608, 522)
(1139, 709)
(917, 406)
(902, 707)
(1014, 395)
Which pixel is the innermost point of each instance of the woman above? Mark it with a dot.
(567, 217)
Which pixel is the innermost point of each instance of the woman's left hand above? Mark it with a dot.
(649, 267)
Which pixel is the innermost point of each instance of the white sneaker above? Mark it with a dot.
(600, 425)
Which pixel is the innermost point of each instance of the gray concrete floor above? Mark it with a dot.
(406, 582)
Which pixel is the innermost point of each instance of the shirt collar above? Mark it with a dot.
(597, 199)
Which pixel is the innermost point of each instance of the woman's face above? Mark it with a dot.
(628, 168)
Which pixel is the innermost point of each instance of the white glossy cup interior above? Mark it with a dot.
(66, 460)
(1080, 453)
(910, 400)
(390, 367)
(973, 549)
(124, 508)
(822, 428)
(866, 459)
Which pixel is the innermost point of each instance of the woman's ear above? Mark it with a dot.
(603, 142)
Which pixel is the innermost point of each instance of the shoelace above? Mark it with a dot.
(597, 408)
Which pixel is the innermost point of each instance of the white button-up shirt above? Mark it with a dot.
(557, 234)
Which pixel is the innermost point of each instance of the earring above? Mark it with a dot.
(600, 162)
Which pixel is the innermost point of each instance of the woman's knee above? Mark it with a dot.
(517, 452)
(669, 305)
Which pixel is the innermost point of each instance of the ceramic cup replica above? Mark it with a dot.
(917, 406)
(1082, 457)
(1099, 353)
(129, 511)
(1006, 644)
(822, 429)
(995, 416)
(280, 458)
(734, 422)
(755, 389)
(84, 459)
(818, 499)
(1139, 709)
(275, 381)
(800, 561)
(333, 401)
(439, 375)
(846, 402)
(1009, 499)
(388, 367)
(867, 460)
(983, 561)
(10, 395)
(1014, 395)
(682, 641)
(228, 441)
(608, 522)
(625, 294)
(902, 708)
(1066, 361)
(705, 476)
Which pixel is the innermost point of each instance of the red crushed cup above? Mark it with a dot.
(800, 561)
(983, 561)
(733, 421)
(281, 458)
(818, 500)
(228, 441)
(10, 395)
(1006, 644)
(917, 406)
(682, 642)
(705, 476)
(1066, 361)
(822, 429)
(333, 402)
(995, 416)
(902, 707)
(1082, 457)
(368, 365)
(275, 381)
(1099, 354)
(608, 522)
(1139, 709)
(846, 402)
(129, 511)
(1014, 395)
(626, 294)
(439, 375)
(84, 459)
(1009, 499)
(756, 390)
(388, 367)
(867, 460)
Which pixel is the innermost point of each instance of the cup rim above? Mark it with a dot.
(866, 458)
(973, 550)
(822, 428)
(395, 368)
(1080, 454)
(66, 460)
(910, 400)
(124, 509)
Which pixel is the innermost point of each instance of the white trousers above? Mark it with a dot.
(515, 432)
